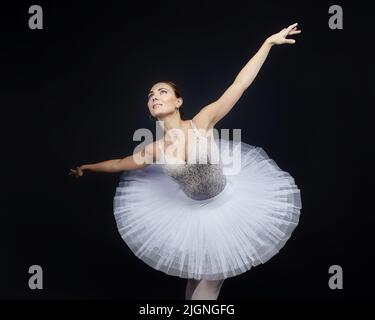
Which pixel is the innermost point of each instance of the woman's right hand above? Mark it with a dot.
(78, 172)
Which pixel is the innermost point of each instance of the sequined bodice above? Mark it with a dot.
(202, 176)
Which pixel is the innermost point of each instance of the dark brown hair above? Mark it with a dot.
(176, 92)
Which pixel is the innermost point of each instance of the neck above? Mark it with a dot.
(170, 122)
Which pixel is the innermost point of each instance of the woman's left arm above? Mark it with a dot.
(214, 112)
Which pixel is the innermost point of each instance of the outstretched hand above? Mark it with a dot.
(281, 37)
(76, 173)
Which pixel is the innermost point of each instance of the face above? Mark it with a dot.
(162, 100)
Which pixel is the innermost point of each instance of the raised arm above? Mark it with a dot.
(209, 115)
(137, 160)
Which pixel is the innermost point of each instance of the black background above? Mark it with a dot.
(75, 92)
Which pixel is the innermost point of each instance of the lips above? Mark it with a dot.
(156, 104)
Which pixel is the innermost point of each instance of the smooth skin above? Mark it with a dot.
(205, 119)
(163, 105)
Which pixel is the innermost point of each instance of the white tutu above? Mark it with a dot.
(244, 225)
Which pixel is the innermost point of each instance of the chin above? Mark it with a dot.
(159, 114)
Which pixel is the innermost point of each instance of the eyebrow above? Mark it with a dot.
(158, 90)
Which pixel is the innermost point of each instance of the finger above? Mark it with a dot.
(290, 41)
(294, 32)
(292, 26)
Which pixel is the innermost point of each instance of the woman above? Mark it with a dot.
(190, 219)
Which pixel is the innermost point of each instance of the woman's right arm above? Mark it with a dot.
(135, 161)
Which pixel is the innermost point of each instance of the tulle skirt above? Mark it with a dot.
(244, 225)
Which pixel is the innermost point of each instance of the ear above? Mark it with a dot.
(180, 101)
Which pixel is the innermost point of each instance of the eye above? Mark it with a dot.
(163, 90)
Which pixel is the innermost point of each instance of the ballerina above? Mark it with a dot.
(192, 220)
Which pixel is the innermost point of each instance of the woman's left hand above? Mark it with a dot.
(280, 37)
